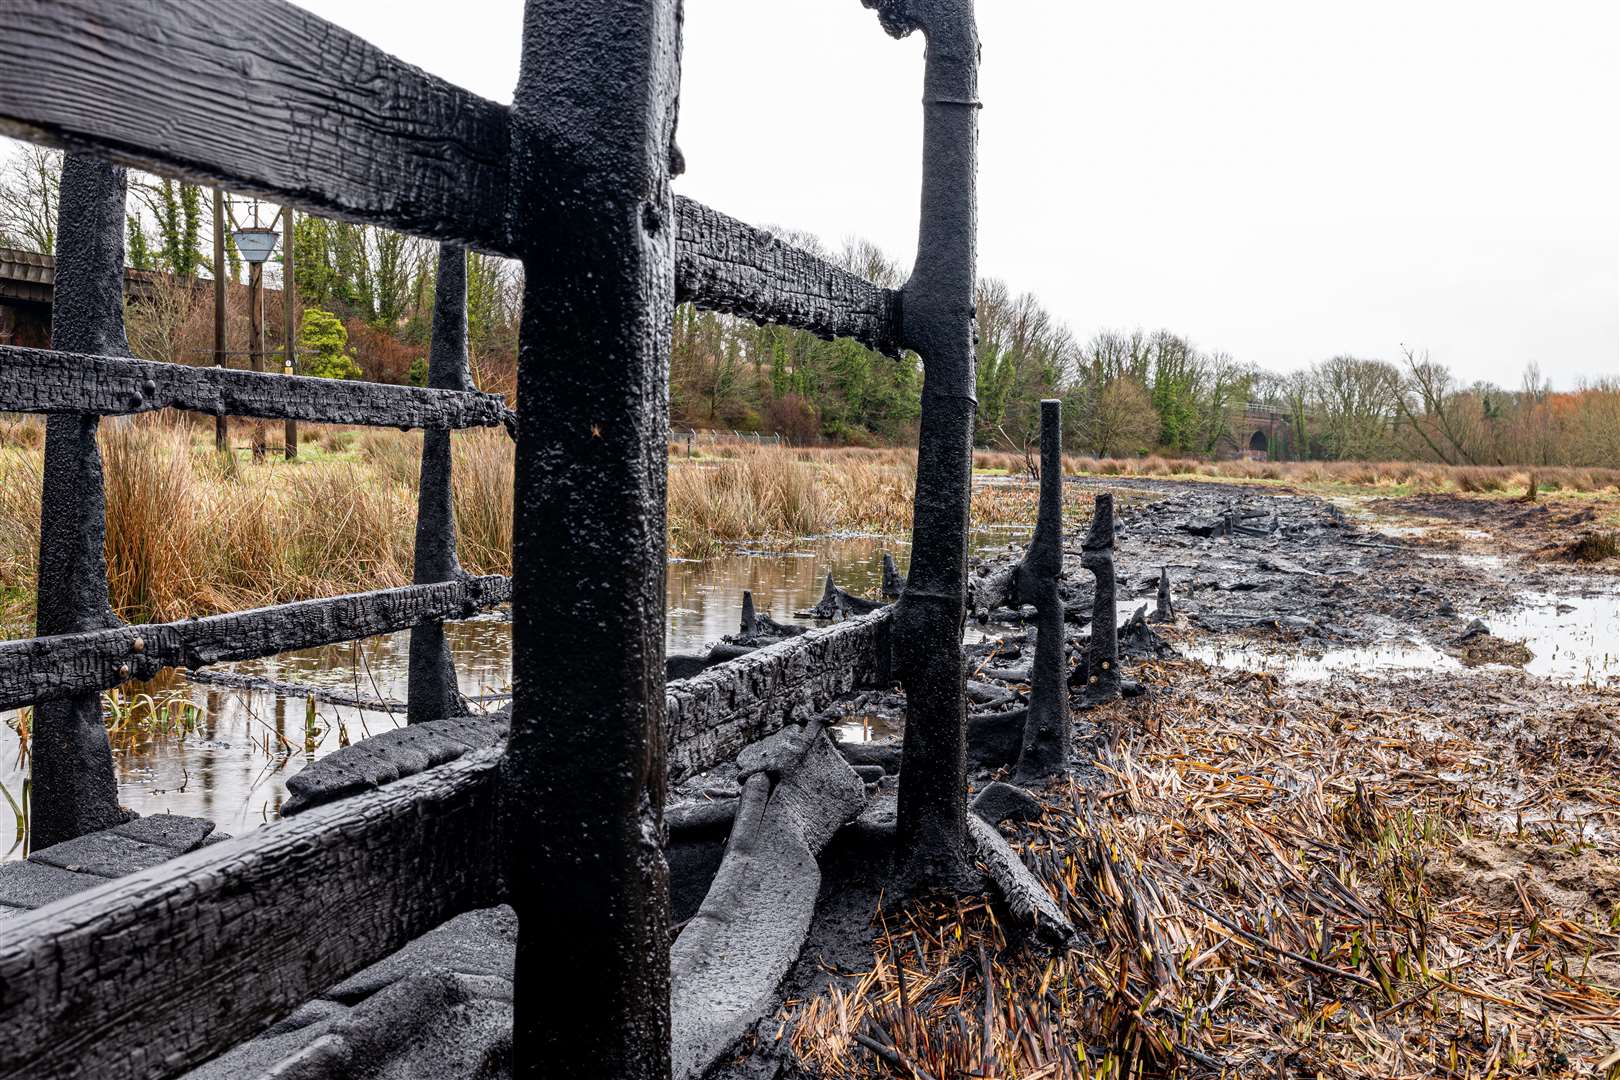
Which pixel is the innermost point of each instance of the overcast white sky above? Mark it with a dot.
(1280, 180)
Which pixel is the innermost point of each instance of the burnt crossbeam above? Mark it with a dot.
(63, 665)
(51, 381)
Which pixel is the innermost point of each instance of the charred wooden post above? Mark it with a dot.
(1046, 728)
(1097, 555)
(937, 322)
(750, 621)
(433, 691)
(1164, 611)
(593, 124)
(75, 790)
(893, 584)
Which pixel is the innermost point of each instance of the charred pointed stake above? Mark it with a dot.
(1097, 555)
(1165, 612)
(750, 622)
(837, 603)
(75, 790)
(892, 582)
(1046, 729)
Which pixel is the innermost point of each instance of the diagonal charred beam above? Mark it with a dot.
(318, 117)
(80, 979)
(50, 381)
(725, 265)
(63, 665)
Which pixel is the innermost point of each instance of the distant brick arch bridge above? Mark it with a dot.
(1258, 431)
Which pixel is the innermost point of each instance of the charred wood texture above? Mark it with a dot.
(1047, 728)
(1102, 655)
(838, 603)
(712, 716)
(75, 790)
(81, 980)
(433, 691)
(937, 321)
(61, 666)
(1164, 611)
(733, 954)
(593, 126)
(725, 265)
(319, 118)
(1031, 906)
(47, 381)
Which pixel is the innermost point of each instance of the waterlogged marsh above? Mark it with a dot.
(225, 753)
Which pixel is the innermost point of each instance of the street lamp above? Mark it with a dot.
(256, 243)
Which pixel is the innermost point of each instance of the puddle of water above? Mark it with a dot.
(232, 765)
(1574, 639)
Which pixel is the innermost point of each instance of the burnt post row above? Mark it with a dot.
(574, 179)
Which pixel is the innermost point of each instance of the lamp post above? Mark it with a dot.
(256, 243)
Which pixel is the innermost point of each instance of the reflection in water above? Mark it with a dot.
(1573, 639)
(228, 757)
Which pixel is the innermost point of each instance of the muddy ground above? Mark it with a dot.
(1368, 874)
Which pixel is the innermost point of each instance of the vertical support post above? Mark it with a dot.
(937, 321)
(1046, 729)
(75, 789)
(1102, 656)
(593, 123)
(222, 434)
(256, 342)
(434, 693)
(289, 319)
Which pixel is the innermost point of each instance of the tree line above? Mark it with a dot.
(366, 300)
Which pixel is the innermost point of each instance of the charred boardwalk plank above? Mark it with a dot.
(48, 381)
(724, 265)
(47, 668)
(319, 898)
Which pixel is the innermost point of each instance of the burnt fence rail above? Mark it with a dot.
(573, 179)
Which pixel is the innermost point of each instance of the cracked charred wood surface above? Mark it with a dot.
(75, 789)
(46, 381)
(1047, 727)
(432, 690)
(81, 979)
(1030, 905)
(937, 321)
(52, 668)
(593, 126)
(725, 265)
(320, 117)
(713, 715)
(1102, 655)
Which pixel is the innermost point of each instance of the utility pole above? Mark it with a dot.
(222, 436)
(289, 318)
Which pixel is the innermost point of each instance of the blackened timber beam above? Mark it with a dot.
(64, 665)
(75, 786)
(937, 321)
(48, 381)
(283, 104)
(434, 692)
(593, 141)
(724, 265)
(320, 896)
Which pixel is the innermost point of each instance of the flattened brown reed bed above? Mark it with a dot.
(1266, 885)
(1413, 476)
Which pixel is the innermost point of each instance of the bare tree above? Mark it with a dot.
(29, 186)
